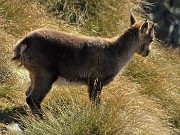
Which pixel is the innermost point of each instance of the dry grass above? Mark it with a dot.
(123, 111)
(143, 100)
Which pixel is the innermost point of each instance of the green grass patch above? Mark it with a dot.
(67, 116)
(74, 12)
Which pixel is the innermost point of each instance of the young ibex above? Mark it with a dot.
(49, 54)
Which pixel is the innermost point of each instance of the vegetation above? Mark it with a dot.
(145, 99)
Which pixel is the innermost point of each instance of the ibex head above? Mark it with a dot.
(145, 35)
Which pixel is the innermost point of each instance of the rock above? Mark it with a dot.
(14, 127)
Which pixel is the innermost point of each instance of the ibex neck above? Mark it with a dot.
(126, 44)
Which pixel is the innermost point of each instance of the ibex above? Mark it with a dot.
(49, 54)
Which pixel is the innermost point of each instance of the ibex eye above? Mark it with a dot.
(151, 40)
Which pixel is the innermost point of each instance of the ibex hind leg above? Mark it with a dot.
(94, 91)
(30, 85)
(41, 85)
(28, 91)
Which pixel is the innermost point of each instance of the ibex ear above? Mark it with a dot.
(151, 30)
(132, 18)
(144, 27)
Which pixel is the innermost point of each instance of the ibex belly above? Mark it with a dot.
(64, 82)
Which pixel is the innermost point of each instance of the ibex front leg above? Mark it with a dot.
(94, 90)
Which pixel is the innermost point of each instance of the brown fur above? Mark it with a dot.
(49, 54)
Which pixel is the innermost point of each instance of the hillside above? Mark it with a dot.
(144, 99)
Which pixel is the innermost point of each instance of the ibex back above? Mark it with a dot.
(49, 54)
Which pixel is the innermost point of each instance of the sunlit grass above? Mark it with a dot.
(70, 117)
(122, 111)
